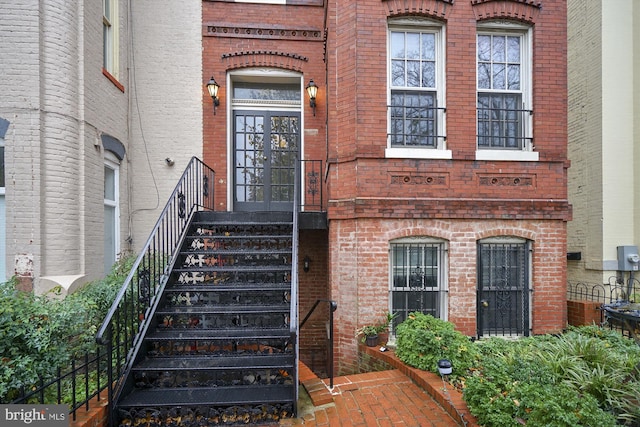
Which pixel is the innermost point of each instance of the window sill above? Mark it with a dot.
(417, 153)
(508, 155)
(113, 80)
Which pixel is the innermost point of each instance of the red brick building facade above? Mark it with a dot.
(442, 128)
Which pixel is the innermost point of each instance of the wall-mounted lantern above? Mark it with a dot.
(306, 263)
(312, 91)
(213, 88)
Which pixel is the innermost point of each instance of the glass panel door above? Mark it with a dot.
(265, 154)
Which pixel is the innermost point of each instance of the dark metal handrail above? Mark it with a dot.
(126, 323)
(333, 306)
(293, 309)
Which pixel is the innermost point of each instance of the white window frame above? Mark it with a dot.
(420, 25)
(110, 34)
(509, 28)
(442, 287)
(111, 162)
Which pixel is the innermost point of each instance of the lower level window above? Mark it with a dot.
(417, 279)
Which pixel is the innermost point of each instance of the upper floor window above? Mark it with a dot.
(416, 80)
(503, 98)
(110, 36)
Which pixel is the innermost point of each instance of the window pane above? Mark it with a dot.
(397, 73)
(109, 184)
(429, 74)
(397, 45)
(413, 73)
(280, 92)
(513, 77)
(513, 49)
(498, 75)
(484, 76)
(2, 184)
(429, 47)
(498, 49)
(484, 48)
(110, 229)
(413, 46)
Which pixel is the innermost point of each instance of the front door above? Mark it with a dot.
(503, 288)
(266, 146)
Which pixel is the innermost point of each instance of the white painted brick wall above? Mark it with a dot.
(58, 101)
(167, 117)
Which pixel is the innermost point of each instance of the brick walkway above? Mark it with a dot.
(385, 398)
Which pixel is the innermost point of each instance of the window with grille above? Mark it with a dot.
(417, 278)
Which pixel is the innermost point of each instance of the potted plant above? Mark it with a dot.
(368, 335)
(383, 327)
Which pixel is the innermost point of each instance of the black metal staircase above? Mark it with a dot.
(219, 349)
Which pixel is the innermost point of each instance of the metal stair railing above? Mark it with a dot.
(127, 321)
(333, 306)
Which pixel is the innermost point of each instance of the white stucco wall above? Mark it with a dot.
(166, 114)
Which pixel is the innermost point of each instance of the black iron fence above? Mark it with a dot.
(74, 386)
(619, 302)
(618, 289)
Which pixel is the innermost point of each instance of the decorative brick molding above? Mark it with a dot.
(246, 32)
(506, 180)
(441, 180)
(520, 10)
(432, 8)
(264, 58)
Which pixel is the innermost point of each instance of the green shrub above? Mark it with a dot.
(585, 377)
(38, 334)
(422, 340)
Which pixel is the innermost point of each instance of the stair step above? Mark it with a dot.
(225, 309)
(252, 236)
(218, 334)
(207, 363)
(234, 268)
(218, 396)
(227, 252)
(228, 287)
(208, 217)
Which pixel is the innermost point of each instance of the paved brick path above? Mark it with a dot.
(386, 398)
